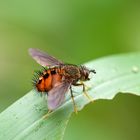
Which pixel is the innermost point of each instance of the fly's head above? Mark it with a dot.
(85, 73)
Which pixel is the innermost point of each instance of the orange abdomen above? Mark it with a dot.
(40, 85)
(49, 79)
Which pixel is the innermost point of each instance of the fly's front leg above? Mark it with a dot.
(84, 90)
(72, 97)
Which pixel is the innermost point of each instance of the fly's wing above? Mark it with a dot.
(43, 58)
(56, 95)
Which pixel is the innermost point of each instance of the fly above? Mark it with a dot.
(58, 78)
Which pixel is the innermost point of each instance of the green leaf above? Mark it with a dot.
(24, 119)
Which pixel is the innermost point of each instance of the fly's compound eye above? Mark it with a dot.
(86, 76)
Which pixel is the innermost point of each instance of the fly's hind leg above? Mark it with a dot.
(46, 115)
(72, 97)
(84, 91)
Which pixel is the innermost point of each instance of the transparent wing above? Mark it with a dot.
(56, 96)
(43, 58)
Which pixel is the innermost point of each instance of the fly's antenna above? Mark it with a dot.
(93, 71)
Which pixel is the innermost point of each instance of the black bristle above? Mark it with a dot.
(44, 68)
(37, 74)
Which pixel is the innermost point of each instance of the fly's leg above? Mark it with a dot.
(46, 115)
(85, 93)
(84, 90)
(72, 97)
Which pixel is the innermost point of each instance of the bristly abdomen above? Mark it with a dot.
(37, 74)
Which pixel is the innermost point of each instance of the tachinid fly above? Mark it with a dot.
(57, 78)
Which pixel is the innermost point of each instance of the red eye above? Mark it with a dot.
(86, 76)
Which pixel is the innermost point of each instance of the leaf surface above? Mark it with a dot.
(24, 120)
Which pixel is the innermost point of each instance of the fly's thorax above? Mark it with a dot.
(71, 72)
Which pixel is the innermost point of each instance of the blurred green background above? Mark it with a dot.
(74, 31)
